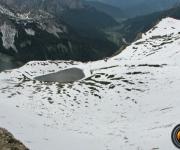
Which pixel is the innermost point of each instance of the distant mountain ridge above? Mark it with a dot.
(131, 28)
(111, 10)
(141, 7)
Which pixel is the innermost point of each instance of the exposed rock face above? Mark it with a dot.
(8, 142)
(8, 35)
(23, 33)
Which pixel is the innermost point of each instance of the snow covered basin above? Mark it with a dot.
(63, 76)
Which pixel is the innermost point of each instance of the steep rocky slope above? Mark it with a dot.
(130, 101)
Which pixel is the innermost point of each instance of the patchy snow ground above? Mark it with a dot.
(128, 102)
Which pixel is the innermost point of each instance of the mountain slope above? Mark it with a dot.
(31, 33)
(130, 101)
(25, 36)
(53, 6)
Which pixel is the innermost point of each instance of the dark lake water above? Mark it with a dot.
(63, 76)
(8, 62)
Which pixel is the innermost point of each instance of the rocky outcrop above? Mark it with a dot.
(8, 142)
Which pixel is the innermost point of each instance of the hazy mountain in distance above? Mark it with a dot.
(141, 7)
(111, 10)
(131, 28)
